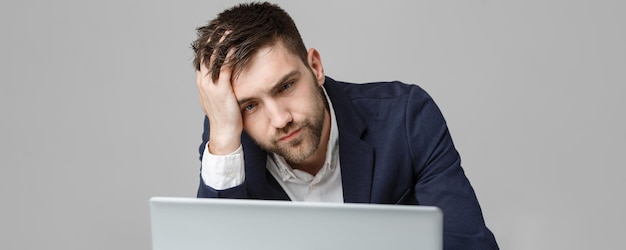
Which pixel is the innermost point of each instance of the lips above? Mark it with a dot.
(290, 136)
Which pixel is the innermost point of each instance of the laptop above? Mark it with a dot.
(221, 224)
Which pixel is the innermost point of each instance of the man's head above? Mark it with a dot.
(246, 28)
(275, 80)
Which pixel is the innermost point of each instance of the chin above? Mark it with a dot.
(297, 151)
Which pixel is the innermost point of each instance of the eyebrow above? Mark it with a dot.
(276, 85)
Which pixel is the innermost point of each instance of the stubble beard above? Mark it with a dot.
(303, 147)
(300, 149)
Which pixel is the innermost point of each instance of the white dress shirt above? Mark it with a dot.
(226, 171)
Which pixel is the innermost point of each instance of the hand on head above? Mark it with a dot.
(220, 104)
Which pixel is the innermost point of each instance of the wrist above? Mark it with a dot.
(223, 145)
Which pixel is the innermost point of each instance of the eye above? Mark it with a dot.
(249, 107)
(285, 87)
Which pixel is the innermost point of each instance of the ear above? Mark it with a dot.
(315, 63)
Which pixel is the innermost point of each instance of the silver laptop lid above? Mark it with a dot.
(189, 223)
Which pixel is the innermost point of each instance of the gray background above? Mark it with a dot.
(99, 109)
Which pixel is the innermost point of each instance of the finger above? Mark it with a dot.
(199, 78)
(202, 75)
(203, 67)
(215, 54)
(227, 68)
(203, 103)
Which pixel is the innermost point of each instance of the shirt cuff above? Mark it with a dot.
(223, 171)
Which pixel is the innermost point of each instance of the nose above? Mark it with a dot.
(278, 114)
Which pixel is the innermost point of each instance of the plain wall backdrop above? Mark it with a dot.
(99, 109)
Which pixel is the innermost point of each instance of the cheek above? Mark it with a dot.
(253, 126)
(257, 126)
(308, 102)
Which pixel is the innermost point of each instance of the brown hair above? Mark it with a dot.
(246, 28)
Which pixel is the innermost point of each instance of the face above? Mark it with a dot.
(282, 103)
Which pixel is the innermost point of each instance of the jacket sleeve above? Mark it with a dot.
(440, 180)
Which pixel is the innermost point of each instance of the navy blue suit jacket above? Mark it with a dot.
(394, 148)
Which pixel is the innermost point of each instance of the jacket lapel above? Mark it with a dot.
(261, 183)
(355, 156)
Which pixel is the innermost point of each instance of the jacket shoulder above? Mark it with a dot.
(376, 90)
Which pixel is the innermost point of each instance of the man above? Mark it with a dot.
(277, 128)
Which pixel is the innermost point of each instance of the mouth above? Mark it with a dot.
(290, 136)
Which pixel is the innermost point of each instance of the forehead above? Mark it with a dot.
(266, 67)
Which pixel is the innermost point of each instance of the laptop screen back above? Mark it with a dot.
(189, 223)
